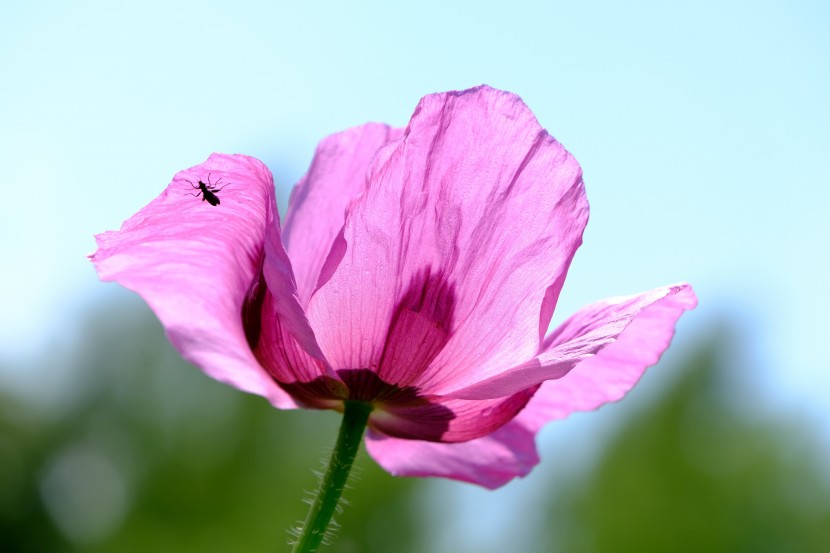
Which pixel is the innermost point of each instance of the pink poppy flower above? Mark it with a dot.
(416, 269)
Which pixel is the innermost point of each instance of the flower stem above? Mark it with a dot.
(355, 416)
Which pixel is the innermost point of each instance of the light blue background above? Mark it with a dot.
(702, 131)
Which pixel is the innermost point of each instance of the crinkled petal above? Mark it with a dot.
(287, 346)
(194, 262)
(615, 369)
(317, 208)
(453, 420)
(491, 461)
(635, 330)
(480, 198)
(510, 451)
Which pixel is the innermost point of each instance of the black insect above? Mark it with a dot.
(208, 190)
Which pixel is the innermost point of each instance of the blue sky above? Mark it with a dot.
(703, 132)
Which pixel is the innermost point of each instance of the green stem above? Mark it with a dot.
(355, 416)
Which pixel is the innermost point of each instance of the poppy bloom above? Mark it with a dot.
(417, 271)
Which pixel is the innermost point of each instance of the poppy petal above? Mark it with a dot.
(634, 329)
(318, 203)
(287, 347)
(194, 262)
(615, 369)
(476, 203)
(454, 420)
(491, 461)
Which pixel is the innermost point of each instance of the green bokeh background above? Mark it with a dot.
(144, 453)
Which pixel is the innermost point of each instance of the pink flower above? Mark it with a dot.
(416, 269)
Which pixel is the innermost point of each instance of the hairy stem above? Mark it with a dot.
(355, 416)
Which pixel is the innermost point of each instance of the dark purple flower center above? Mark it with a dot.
(419, 329)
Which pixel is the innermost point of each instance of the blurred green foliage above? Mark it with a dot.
(696, 472)
(141, 452)
(145, 453)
